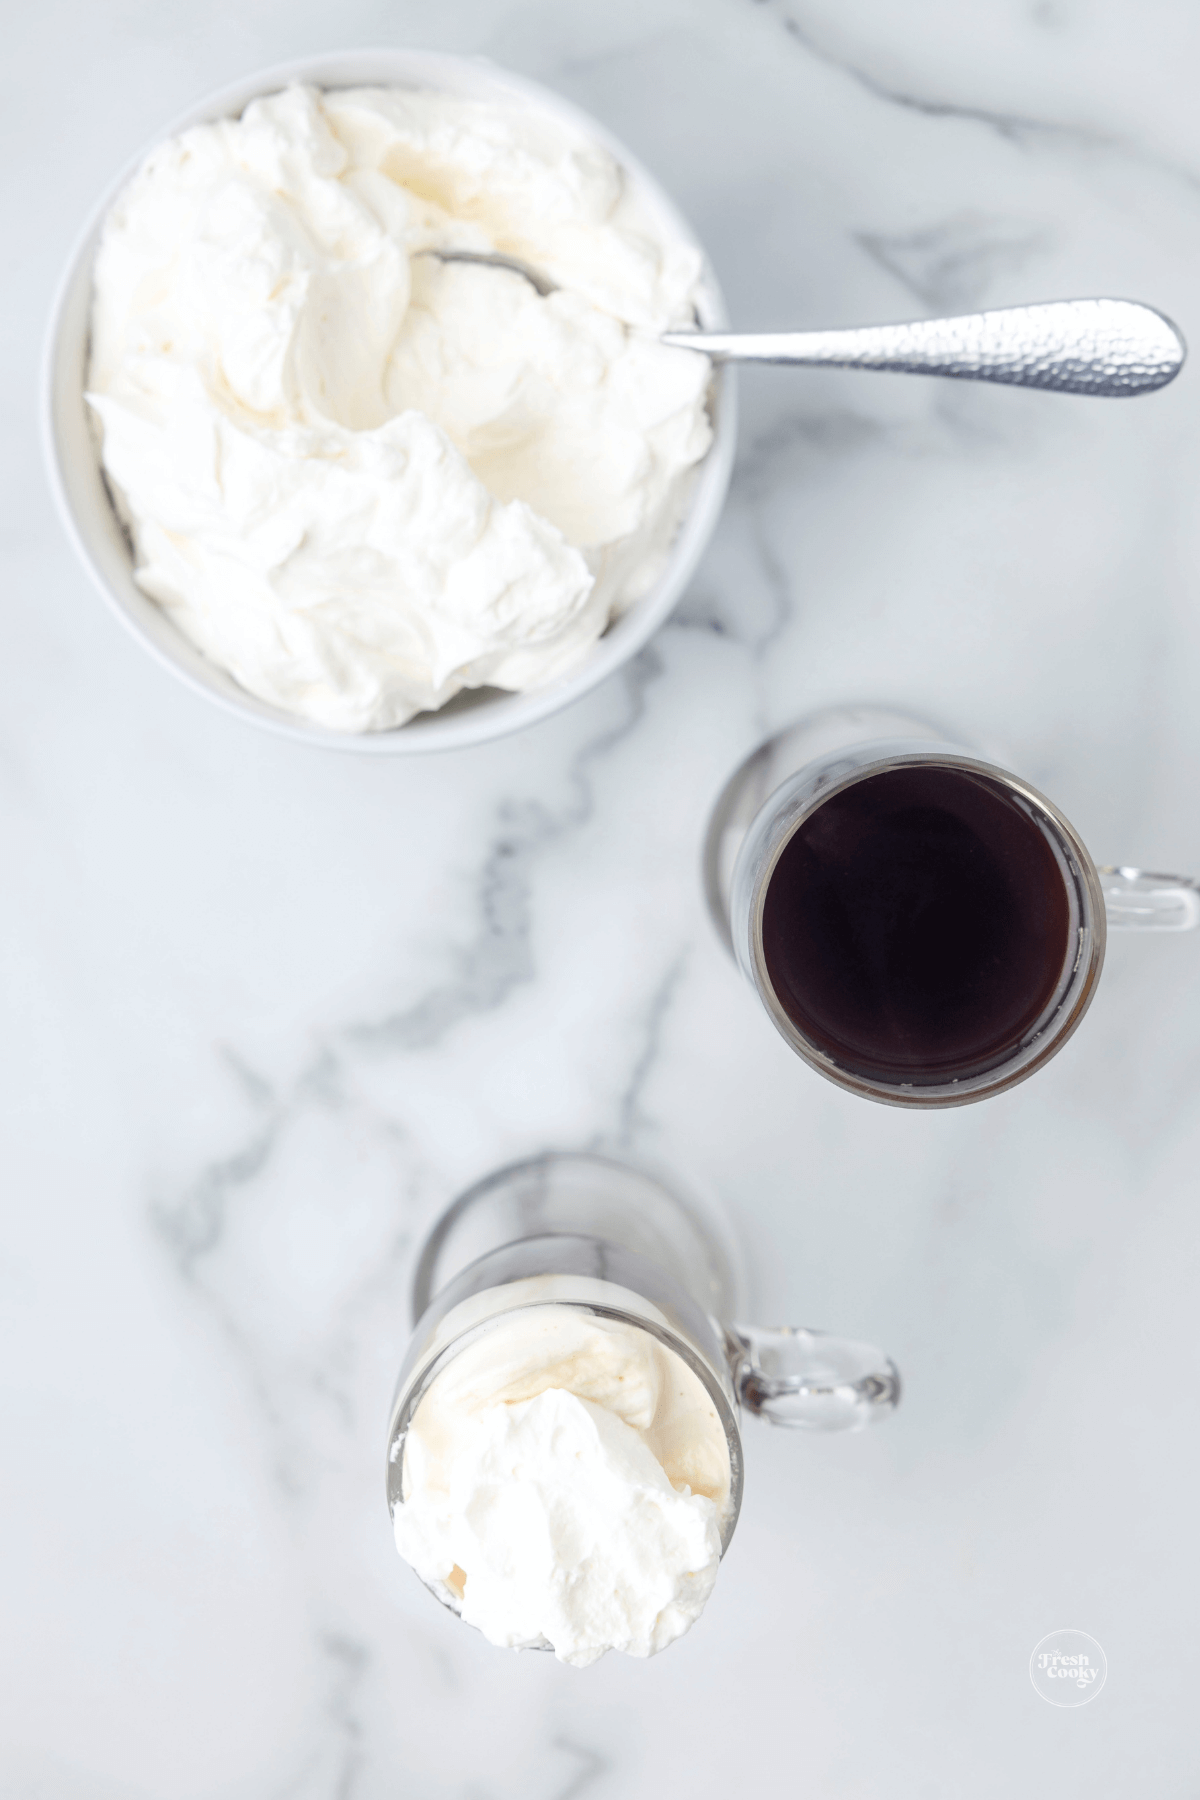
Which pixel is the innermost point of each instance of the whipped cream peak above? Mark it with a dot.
(566, 1479)
(568, 1530)
(361, 479)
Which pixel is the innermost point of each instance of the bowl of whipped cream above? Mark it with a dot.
(341, 471)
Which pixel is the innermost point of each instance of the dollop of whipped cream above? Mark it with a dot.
(357, 477)
(566, 1479)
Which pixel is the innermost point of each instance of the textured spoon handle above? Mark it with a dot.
(1113, 347)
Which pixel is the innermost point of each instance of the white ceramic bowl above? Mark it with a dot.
(472, 717)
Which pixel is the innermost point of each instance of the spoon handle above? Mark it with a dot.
(1110, 347)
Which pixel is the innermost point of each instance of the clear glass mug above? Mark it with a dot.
(777, 789)
(625, 1247)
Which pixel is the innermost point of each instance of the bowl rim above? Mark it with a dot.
(489, 719)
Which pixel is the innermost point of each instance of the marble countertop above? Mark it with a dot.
(268, 1010)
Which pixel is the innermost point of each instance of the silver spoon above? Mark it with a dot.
(1106, 347)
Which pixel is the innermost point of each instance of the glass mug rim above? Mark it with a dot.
(802, 794)
(416, 1380)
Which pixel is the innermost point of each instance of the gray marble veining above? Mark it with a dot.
(268, 1011)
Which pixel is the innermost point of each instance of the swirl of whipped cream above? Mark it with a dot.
(361, 479)
(566, 1477)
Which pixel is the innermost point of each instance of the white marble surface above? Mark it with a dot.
(267, 1010)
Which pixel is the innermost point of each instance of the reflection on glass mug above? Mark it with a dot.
(923, 927)
(564, 1464)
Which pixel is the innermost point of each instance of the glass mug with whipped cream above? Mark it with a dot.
(923, 927)
(564, 1463)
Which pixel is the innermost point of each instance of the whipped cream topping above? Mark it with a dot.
(566, 1479)
(360, 478)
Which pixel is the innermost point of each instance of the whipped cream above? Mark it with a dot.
(361, 479)
(566, 1478)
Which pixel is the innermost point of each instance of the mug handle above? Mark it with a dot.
(1138, 900)
(809, 1381)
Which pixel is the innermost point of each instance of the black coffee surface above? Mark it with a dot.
(916, 925)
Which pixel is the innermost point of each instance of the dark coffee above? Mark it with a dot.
(917, 924)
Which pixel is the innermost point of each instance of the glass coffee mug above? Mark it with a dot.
(617, 1243)
(923, 927)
